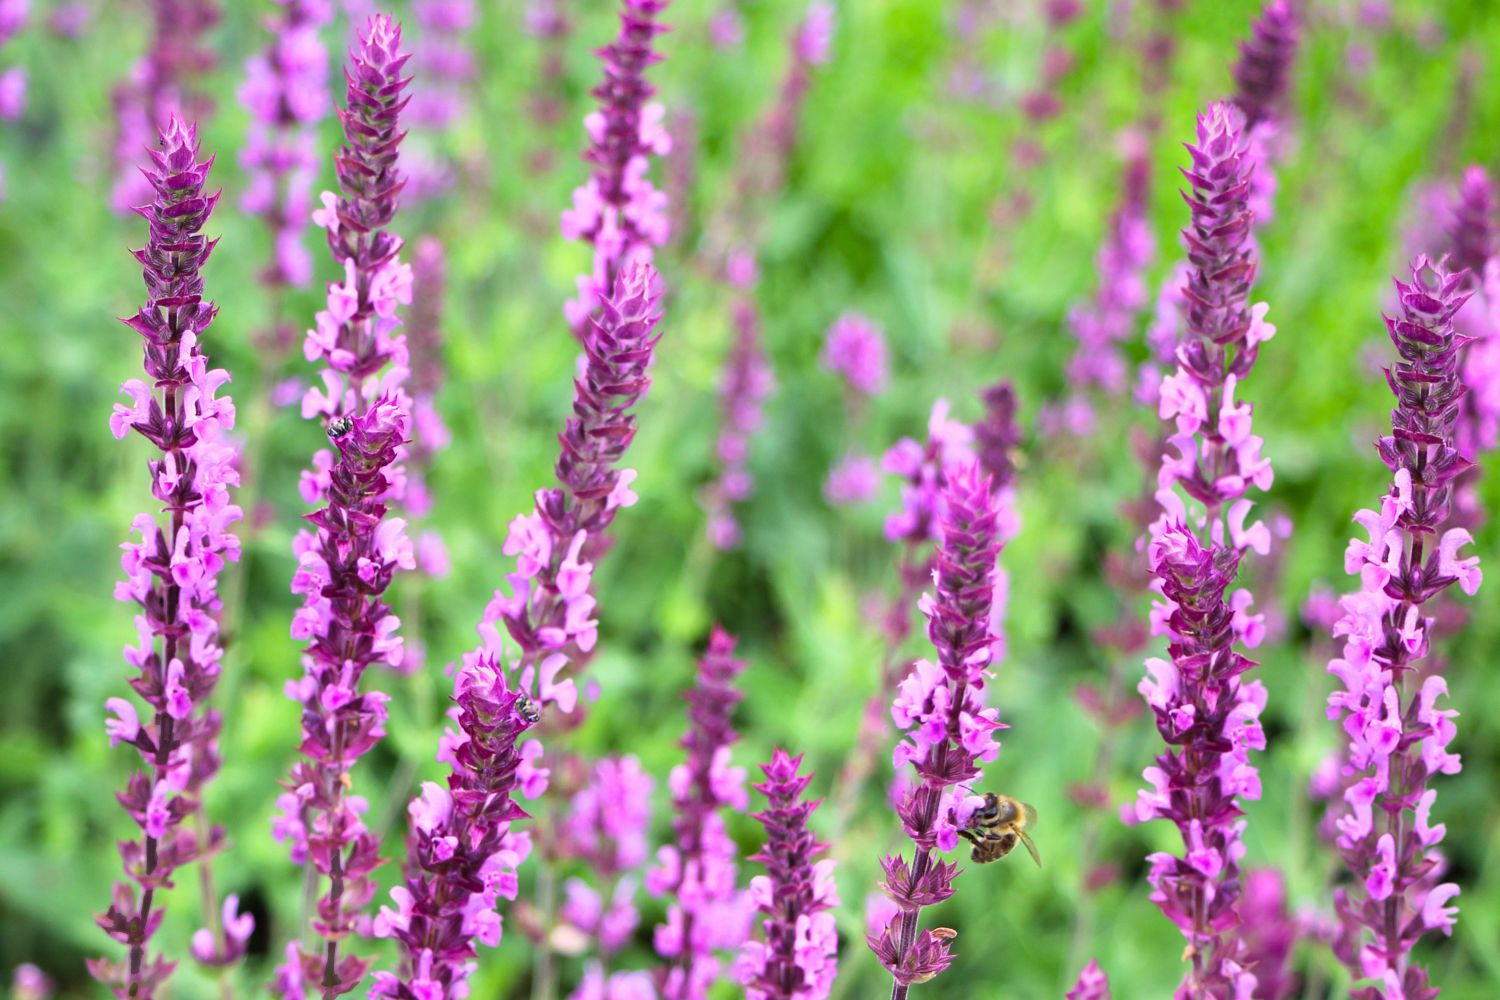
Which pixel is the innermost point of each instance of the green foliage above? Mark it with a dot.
(889, 209)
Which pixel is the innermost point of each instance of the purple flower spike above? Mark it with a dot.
(949, 731)
(1092, 984)
(549, 611)
(1261, 75)
(172, 571)
(1398, 736)
(1472, 230)
(1208, 718)
(1107, 320)
(617, 211)
(462, 853)
(706, 913)
(348, 560)
(286, 92)
(745, 383)
(1209, 721)
(798, 960)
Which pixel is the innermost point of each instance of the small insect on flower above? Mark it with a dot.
(339, 426)
(997, 826)
(528, 710)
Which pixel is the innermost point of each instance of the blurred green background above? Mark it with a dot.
(889, 208)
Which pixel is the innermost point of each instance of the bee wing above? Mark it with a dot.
(1029, 811)
(1031, 848)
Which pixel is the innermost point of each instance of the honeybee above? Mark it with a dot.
(997, 826)
(339, 426)
(526, 709)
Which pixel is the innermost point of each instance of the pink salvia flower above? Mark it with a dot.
(172, 570)
(797, 959)
(949, 730)
(1205, 713)
(706, 912)
(1092, 984)
(1397, 736)
(347, 560)
(617, 211)
(462, 852)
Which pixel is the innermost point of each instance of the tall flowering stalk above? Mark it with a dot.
(1108, 319)
(1207, 715)
(347, 561)
(286, 92)
(706, 912)
(1262, 74)
(798, 960)
(924, 470)
(549, 610)
(744, 385)
(617, 211)
(1262, 77)
(159, 86)
(1398, 736)
(462, 853)
(949, 730)
(1472, 227)
(172, 572)
(747, 377)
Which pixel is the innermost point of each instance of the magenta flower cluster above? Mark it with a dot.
(1398, 735)
(949, 731)
(286, 92)
(798, 958)
(1206, 714)
(347, 561)
(706, 912)
(462, 852)
(549, 610)
(172, 571)
(617, 211)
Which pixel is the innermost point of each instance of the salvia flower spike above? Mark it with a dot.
(1206, 714)
(949, 732)
(706, 913)
(549, 610)
(1262, 74)
(172, 571)
(462, 853)
(1398, 737)
(617, 211)
(347, 560)
(798, 957)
